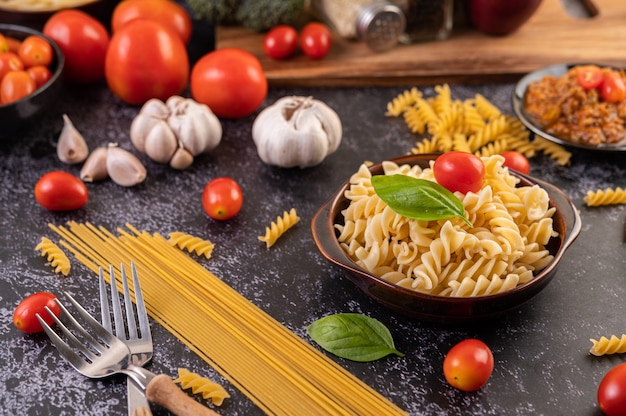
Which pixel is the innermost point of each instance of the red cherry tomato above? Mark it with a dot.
(61, 191)
(280, 42)
(315, 40)
(468, 365)
(613, 88)
(35, 50)
(589, 76)
(612, 391)
(9, 61)
(41, 74)
(222, 198)
(459, 171)
(230, 81)
(83, 40)
(516, 161)
(13, 43)
(16, 85)
(25, 315)
(166, 12)
(146, 60)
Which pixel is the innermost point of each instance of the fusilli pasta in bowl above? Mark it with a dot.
(445, 270)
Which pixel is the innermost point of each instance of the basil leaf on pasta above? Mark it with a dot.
(353, 336)
(419, 199)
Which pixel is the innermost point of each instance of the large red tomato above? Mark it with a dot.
(83, 40)
(230, 81)
(167, 12)
(146, 60)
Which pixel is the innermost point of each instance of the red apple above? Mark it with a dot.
(501, 17)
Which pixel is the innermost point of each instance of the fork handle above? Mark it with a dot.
(163, 391)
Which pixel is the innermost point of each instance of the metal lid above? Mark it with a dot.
(380, 25)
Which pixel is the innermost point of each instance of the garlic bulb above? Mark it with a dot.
(161, 130)
(71, 147)
(123, 167)
(95, 167)
(296, 131)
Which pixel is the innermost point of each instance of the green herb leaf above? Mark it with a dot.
(353, 336)
(419, 199)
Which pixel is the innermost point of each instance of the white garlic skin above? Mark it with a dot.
(182, 159)
(160, 143)
(95, 167)
(71, 146)
(296, 131)
(197, 128)
(124, 168)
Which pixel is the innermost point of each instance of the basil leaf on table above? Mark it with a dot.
(419, 199)
(353, 336)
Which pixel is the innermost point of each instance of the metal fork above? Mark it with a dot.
(103, 354)
(140, 344)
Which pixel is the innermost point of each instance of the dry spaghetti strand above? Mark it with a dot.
(277, 370)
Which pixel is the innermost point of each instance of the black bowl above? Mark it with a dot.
(437, 308)
(24, 112)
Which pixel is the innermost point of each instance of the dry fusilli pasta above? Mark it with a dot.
(57, 258)
(279, 227)
(201, 385)
(604, 345)
(191, 243)
(608, 196)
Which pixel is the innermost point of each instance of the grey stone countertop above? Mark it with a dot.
(542, 363)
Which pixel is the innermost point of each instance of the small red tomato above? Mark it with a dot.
(9, 61)
(612, 391)
(35, 50)
(315, 40)
(613, 88)
(280, 42)
(25, 315)
(589, 76)
(61, 191)
(459, 171)
(468, 365)
(222, 198)
(16, 85)
(41, 74)
(516, 161)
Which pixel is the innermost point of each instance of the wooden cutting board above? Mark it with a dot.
(468, 56)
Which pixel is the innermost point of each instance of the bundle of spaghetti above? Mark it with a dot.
(275, 368)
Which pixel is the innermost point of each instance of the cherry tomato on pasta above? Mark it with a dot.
(222, 198)
(25, 314)
(459, 171)
(516, 161)
(280, 42)
(61, 191)
(612, 391)
(166, 12)
(468, 365)
(589, 76)
(613, 89)
(315, 40)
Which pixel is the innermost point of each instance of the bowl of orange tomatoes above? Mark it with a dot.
(31, 65)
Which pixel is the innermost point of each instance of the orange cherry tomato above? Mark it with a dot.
(35, 50)
(468, 365)
(4, 45)
(146, 60)
(167, 12)
(222, 198)
(9, 61)
(25, 314)
(41, 74)
(589, 76)
(16, 85)
(14, 44)
(61, 191)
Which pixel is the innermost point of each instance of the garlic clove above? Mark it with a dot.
(151, 113)
(195, 125)
(95, 167)
(182, 159)
(71, 147)
(123, 167)
(160, 143)
(174, 103)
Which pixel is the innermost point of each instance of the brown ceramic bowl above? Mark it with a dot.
(436, 308)
(17, 115)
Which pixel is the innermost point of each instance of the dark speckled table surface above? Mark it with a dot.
(542, 364)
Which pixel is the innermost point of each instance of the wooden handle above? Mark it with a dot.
(163, 391)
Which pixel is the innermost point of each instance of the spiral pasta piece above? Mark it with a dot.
(279, 227)
(191, 243)
(201, 385)
(402, 102)
(612, 345)
(53, 253)
(608, 196)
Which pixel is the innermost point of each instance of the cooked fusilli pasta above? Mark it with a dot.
(554, 150)
(57, 258)
(279, 227)
(608, 196)
(191, 243)
(604, 345)
(402, 102)
(201, 385)
(504, 248)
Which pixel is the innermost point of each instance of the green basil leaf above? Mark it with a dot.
(419, 199)
(353, 336)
